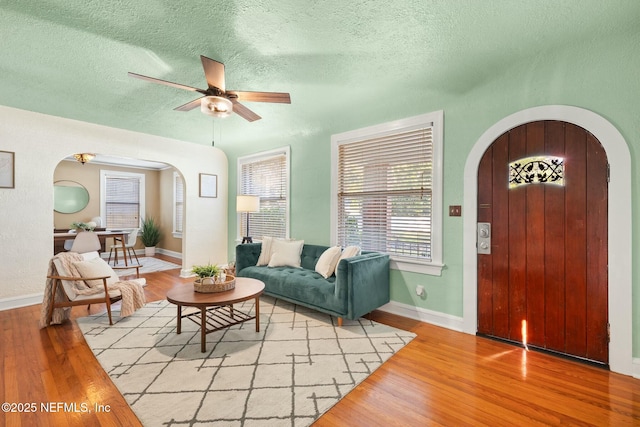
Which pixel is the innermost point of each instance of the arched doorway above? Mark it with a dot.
(619, 222)
(542, 268)
(154, 192)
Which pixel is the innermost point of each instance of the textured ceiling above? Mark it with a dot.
(337, 58)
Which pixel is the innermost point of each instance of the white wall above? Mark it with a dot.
(40, 142)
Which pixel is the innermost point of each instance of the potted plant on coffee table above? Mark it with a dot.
(150, 235)
(211, 278)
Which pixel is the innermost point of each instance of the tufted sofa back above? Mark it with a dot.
(310, 255)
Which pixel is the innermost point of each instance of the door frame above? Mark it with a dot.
(619, 222)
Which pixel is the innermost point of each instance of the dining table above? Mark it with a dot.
(119, 236)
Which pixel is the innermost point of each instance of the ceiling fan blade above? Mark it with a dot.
(214, 72)
(164, 82)
(279, 97)
(189, 105)
(244, 112)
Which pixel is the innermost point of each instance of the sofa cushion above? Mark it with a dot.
(285, 253)
(297, 284)
(328, 260)
(96, 267)
(348, 252)
(265, 251)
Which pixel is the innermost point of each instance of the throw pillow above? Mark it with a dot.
(286, 253)
(96, 267)
(348, 252)
(265, 251)
(327, 262)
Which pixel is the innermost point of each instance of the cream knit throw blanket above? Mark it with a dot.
(132, 292)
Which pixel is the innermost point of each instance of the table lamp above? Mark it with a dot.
(247, 203)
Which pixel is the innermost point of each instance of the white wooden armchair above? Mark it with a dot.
(71, 273)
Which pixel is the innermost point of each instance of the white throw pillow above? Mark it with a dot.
(286, 253)
(265, 251)
(327, 262)
(348, 252)
(96, 267)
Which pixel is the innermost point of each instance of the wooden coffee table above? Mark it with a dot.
(216, 308)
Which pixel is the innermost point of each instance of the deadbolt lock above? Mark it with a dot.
(484, 238)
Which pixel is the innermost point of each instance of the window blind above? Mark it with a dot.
(178, 217)
(385, 193)
(122, 196)
(267, 178)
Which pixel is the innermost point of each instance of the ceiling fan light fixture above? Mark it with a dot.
(216, 106)
(84, 157)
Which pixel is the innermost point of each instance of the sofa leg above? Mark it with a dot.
(340, 322)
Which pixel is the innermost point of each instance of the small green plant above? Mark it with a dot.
(82, 226)
(208, 270)
(150, 232)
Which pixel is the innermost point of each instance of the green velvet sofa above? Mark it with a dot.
(360, 286)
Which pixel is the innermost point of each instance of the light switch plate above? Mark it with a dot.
(455, 210)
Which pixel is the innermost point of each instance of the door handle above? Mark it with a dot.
(484, 238)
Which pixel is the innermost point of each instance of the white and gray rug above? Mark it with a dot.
(297, 367)
(149, 265)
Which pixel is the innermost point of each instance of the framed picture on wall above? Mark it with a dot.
(7, 169)
(208, 185)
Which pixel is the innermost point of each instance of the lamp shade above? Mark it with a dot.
(247, 203)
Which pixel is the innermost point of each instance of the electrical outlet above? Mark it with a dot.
(455, 210)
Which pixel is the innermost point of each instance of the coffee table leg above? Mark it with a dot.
(257, 314)
(179, 329)
(203, 329)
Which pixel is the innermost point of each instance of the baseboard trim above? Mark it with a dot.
(186, 273)
(636, 368)
(140, 253)
(422, 314)
(21, 301)
(166, 252)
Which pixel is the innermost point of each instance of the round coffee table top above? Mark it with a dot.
(246, 288)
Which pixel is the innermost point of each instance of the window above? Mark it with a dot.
(122, 200)
(178, 203)
(266, 175)
(387, 191)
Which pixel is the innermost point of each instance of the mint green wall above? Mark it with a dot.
(598, 75)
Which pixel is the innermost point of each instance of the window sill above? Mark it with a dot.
(433, 269)
(177, 235)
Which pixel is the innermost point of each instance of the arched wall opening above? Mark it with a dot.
(30, 205)
(157, 193)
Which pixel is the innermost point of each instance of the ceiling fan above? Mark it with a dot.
(216, 100)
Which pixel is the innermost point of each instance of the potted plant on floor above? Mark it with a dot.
(150, 236)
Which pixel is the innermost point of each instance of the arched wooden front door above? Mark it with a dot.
(543, 189)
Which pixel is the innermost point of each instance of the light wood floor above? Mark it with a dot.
(442, 378)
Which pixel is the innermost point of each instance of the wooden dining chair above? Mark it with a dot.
(132, 238)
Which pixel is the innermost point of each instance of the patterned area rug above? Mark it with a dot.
(298, 366)
(149, 265)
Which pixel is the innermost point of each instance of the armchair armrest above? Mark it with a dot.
(137, 267)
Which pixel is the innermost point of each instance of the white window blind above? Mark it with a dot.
(267, 177)
(121, 199)
(178, 213)
(385, 193)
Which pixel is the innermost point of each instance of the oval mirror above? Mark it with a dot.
(69, 197)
